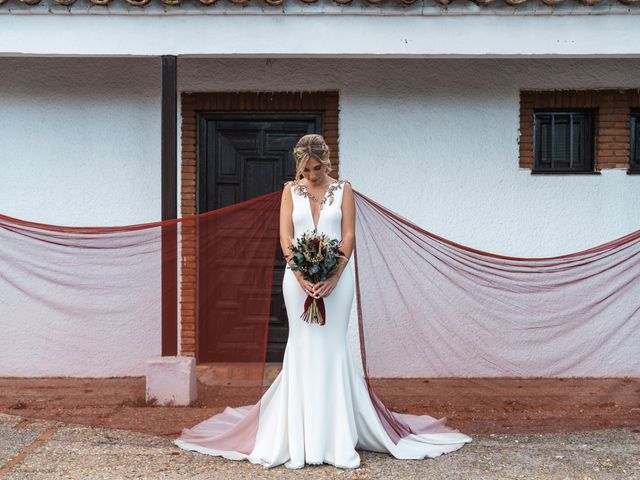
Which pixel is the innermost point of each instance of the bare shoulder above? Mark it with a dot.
(346, 185)
(348, 199)
(286, 190)
(287, 186)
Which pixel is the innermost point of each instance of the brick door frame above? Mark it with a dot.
(192, 105)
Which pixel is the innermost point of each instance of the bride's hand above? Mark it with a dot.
(324, 289)
(306, 285)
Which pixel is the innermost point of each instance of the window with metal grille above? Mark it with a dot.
(634, 134)
(563, 141)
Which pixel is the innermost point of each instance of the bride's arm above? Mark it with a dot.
(286, 222)
(286, 235)
(348, 225)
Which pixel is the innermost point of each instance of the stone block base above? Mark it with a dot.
(171, 380)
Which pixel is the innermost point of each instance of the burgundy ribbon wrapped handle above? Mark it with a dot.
(314, 310)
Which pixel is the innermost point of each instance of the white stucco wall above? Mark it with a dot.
(434, 140)
(80, 145)
(80, 141)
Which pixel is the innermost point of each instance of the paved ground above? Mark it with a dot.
(35, 449)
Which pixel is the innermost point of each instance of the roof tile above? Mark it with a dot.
(276, 3)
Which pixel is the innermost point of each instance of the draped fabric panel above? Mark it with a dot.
(92, 288)
(430, 307)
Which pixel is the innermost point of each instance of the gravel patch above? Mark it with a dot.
(603, 454)
(81, 452)
(13, 440)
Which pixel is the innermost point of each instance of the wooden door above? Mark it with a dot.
(242, 156)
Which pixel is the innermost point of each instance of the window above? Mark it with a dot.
(563, 141)
(634, 134)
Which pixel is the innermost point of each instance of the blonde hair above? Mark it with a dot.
(311, 145)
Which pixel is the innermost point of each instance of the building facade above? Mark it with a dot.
(509, 127)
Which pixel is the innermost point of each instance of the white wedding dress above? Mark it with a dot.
(318, 409)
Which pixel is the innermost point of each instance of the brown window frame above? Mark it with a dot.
(634, 141)
(587, 146)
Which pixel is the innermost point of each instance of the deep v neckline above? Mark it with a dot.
(321, 204)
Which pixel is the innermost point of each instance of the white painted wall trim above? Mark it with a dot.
(286, 36)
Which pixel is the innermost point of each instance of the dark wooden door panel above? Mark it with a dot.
(243, 156)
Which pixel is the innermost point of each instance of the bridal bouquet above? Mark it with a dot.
(316, 256)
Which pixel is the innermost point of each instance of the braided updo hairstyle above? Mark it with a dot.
(311, 145)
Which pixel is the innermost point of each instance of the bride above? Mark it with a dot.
(319, 409)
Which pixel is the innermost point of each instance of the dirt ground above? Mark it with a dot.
(472, 405)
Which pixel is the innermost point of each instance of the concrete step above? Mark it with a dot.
(239, 374)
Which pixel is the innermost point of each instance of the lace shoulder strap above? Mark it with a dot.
(336, 186)
(297, 187)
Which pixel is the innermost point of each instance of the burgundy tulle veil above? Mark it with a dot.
(426, 306)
